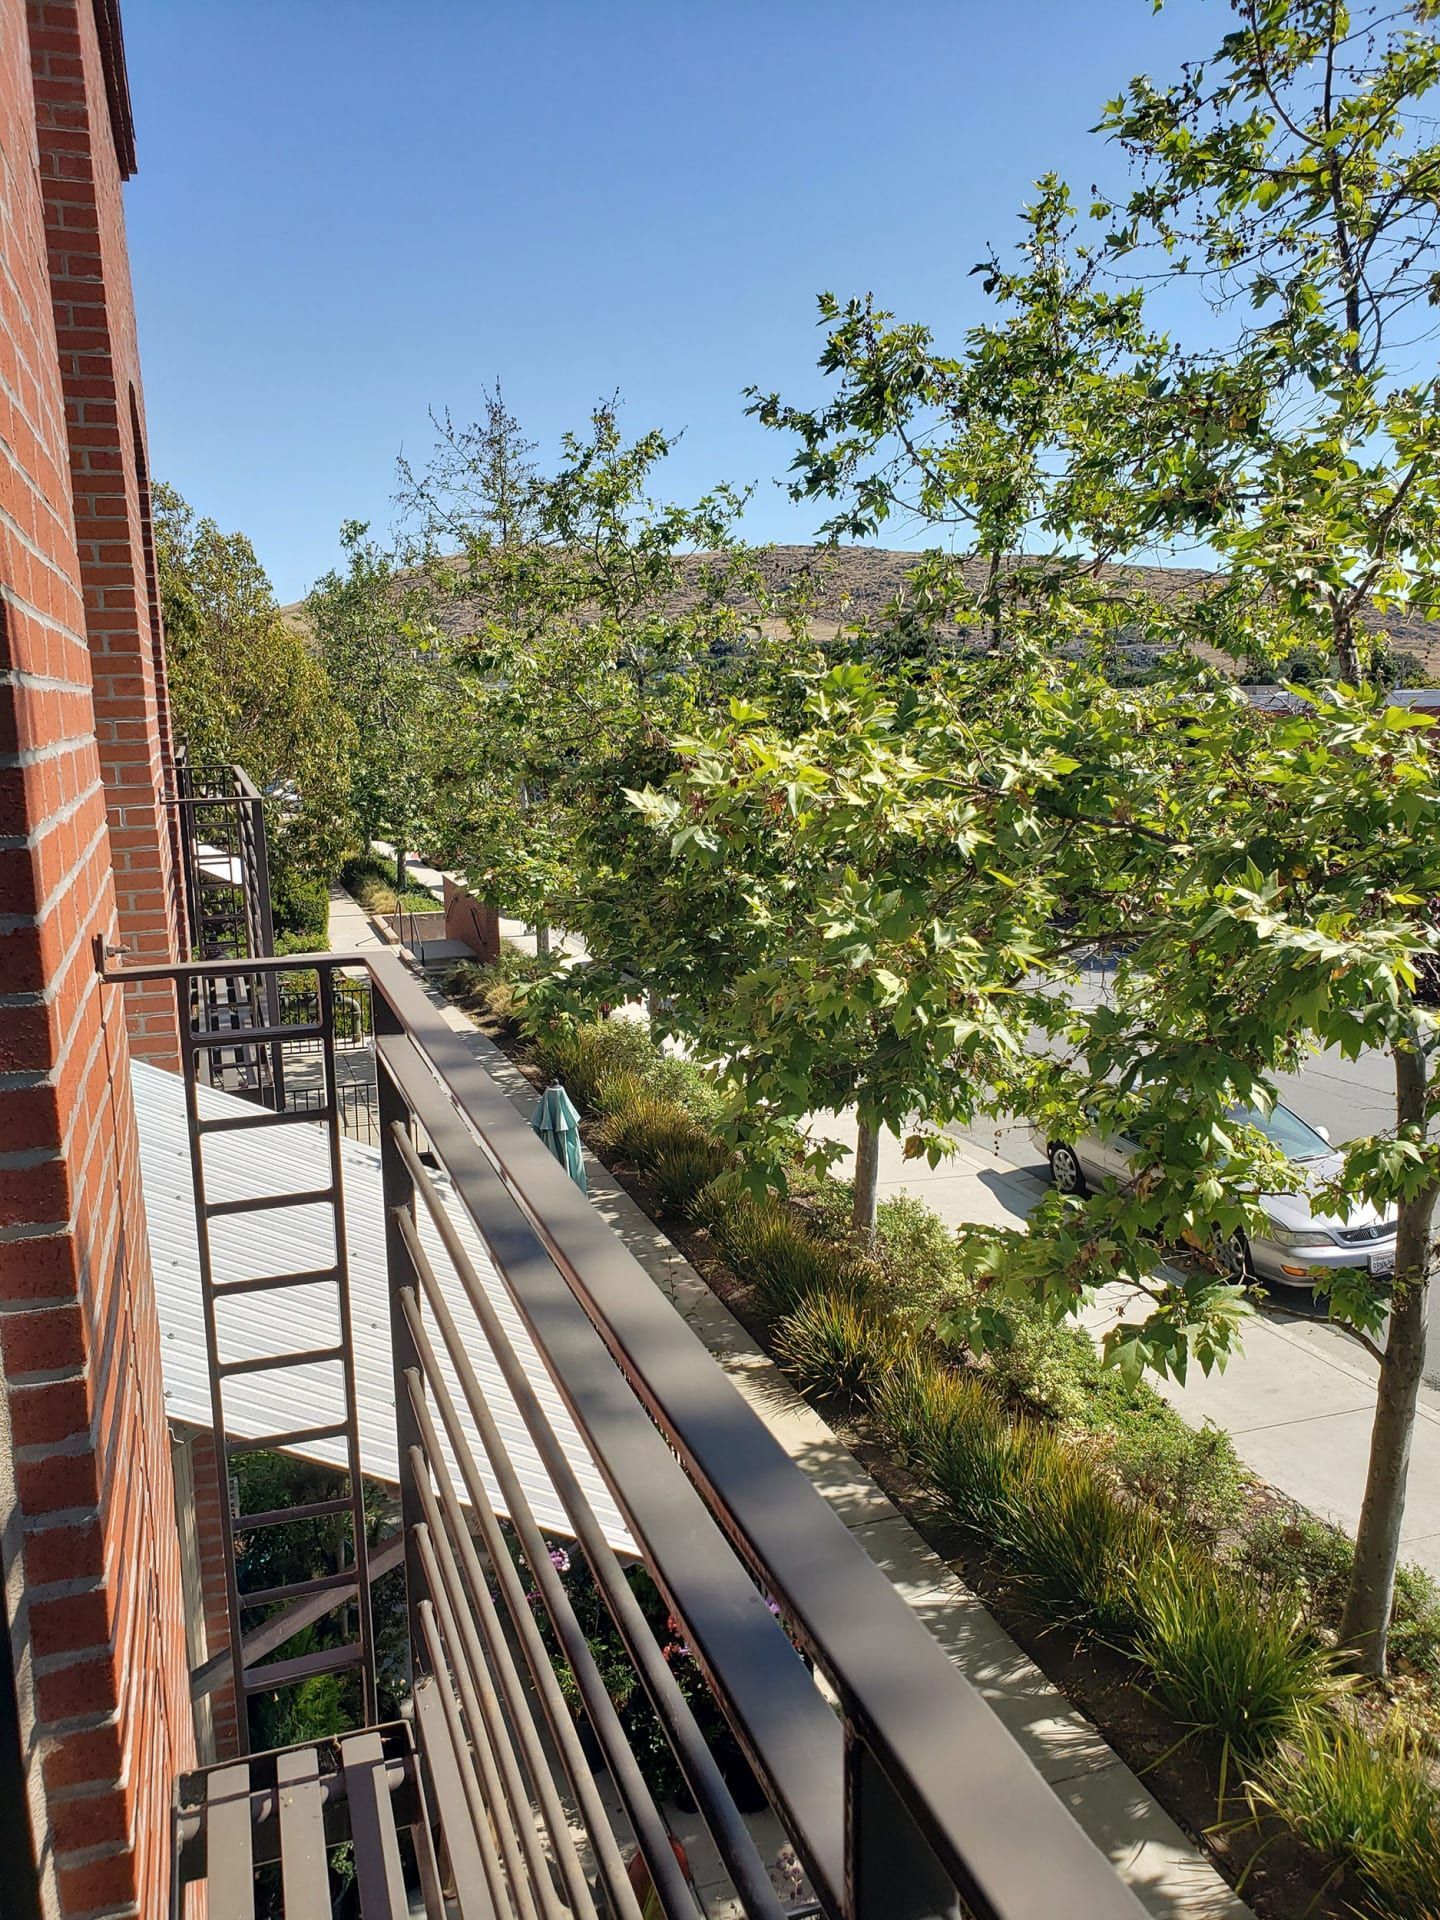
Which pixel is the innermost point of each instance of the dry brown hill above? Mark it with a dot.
(850, 583)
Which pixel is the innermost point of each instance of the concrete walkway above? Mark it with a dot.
(351, 930)
(1168, 1873)
(1298, 1410)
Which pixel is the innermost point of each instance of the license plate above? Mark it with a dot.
(1382, 1265)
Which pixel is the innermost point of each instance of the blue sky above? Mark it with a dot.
(346, 215)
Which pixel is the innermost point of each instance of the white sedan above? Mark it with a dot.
(1299, 1245)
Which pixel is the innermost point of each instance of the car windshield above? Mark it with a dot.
(1285, 1130)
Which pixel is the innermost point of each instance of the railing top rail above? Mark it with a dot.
(228, 966)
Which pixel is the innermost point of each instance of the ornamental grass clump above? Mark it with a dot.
(767, 1244)
(953, 1436)
(584, 1056)
(839, 1346)
(1230, 1663)
(1368, 1803)
(1077, 1543)
(640, 1123)
(686, 1166)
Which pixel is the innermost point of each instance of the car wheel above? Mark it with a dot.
(1065, 1169)
(1232, 1256)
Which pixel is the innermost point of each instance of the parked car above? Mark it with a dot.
(1298, 1245)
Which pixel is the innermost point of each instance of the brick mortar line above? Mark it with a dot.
(18, 922)
(18, 533)
(17, 676)
(42, 756)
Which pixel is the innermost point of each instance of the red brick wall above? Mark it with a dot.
(80, 179)
(210, 1526)
(88, 1546)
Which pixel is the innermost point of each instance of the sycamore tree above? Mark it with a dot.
(244, 687)
(870, 884)
(1282, 897)
(911, 881)
(1295, 176)
(1017, 452)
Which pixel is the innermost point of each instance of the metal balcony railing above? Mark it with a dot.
(510, 1785)
(227, 876)
(228, 912)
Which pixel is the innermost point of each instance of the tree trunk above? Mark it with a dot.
(1348, 664)
(1365, 1624)
(400, 868)
(867, 1182)
(542, 940)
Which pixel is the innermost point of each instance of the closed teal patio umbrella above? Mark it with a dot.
(558, 1124)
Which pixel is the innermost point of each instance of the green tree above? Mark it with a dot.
(857, 935)
(390, 667)
(591, 623)
(1291, 176)
(245, 688)
(1286, 175)
(1295, 175)
(1023, 445)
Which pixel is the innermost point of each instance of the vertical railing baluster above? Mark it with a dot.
(399, 1197)
(891, 1873)
(347, 1337)
(255, 874)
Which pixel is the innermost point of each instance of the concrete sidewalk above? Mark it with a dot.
(351, 930)
(1297, 1401)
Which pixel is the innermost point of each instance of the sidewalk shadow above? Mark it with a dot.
(1016, 1191)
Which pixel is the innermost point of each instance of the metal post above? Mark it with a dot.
(190, 1059)
(360, 1545)
(399, 1197)
(891, 1873)
(255, 875)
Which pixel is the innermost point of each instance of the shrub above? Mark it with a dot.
(1045, 1367)
(300, 907)
(1313, 1559)
(918, 1253)
(1371, 1806)
(838, 1346)
(1078, 1544)
(1193, 1476)
(300, 940)
(681, 1080)
(1227, 1659)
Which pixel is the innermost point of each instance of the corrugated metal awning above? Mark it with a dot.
(299, 1239)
